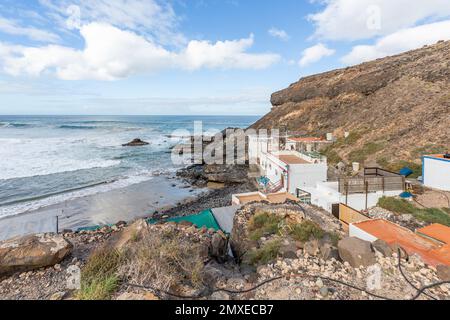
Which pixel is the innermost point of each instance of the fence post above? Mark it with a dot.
(346, 193)
(367, 194)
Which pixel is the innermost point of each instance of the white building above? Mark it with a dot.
(327, 194)
(291, 170)
(436, 172)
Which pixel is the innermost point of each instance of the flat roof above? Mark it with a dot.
(291, 159)
(437, 156)
(250, 198)
(436, 231)
(274, 198)
(281, 197)
(431, 252)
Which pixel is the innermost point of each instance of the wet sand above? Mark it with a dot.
(128, 204)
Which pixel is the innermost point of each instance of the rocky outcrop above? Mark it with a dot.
(32, 252)
(356, 252)
(240, 240)
(136, 143)
(133, 233)
(386, 102)
(201, 175)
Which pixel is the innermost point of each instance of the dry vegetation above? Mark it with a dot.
(164, 261)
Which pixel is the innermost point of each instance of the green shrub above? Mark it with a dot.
(353, 137)
(307, 230)
(397, 166)
(99, 289)
(429, 215)
(264, 224)
(332, 156)
(428, 149)
(99, 277)
(267, 253)
(367, 150)
(433, 215)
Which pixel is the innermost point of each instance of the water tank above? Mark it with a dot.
(329, 137)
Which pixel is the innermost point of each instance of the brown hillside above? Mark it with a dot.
(395, 108)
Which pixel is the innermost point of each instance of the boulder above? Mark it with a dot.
(312, 247)
(32, 252)
(289, 251)
(128, 235)
(443, 272)
(382, 247)
(328, 252)
(219, 245)
(136, 143)
(212, 274)
(356, 252)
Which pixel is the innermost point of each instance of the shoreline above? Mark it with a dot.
(141, 200)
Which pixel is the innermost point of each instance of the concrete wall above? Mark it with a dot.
(349, 215)
(356, 232)
(324, 195)
(436, 173)
(306, 175)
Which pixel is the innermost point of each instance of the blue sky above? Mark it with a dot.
(192, 56)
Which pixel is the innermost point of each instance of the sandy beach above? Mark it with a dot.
(126, 204)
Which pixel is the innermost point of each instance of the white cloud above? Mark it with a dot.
(14, 28)
(315, 54)
(224, 54)
(400, 41)
(280, 34)
(155, 19)
(111, 53)
(364, 19)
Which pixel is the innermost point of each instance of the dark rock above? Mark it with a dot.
(443, 272)
(212, 274)
(382, 247)
(289, 251)
(219, 245)
(121, 224)
(312, 247)
(136, 143)
(357, 252)
(328, 252)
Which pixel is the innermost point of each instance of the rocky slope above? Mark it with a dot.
(178, 260)
(395, 108)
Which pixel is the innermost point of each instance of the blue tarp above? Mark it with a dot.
(406, 195)
(203, 219)
(406, 172)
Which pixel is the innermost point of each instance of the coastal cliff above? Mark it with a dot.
(395, 109)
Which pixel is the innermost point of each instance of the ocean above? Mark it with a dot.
(46, 160)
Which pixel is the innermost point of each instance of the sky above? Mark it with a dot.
(198, 57)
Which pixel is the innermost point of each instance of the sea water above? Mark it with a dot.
(45, 160)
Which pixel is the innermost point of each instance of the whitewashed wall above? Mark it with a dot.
(437, 173)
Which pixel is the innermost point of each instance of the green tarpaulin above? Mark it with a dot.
(203, 219)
